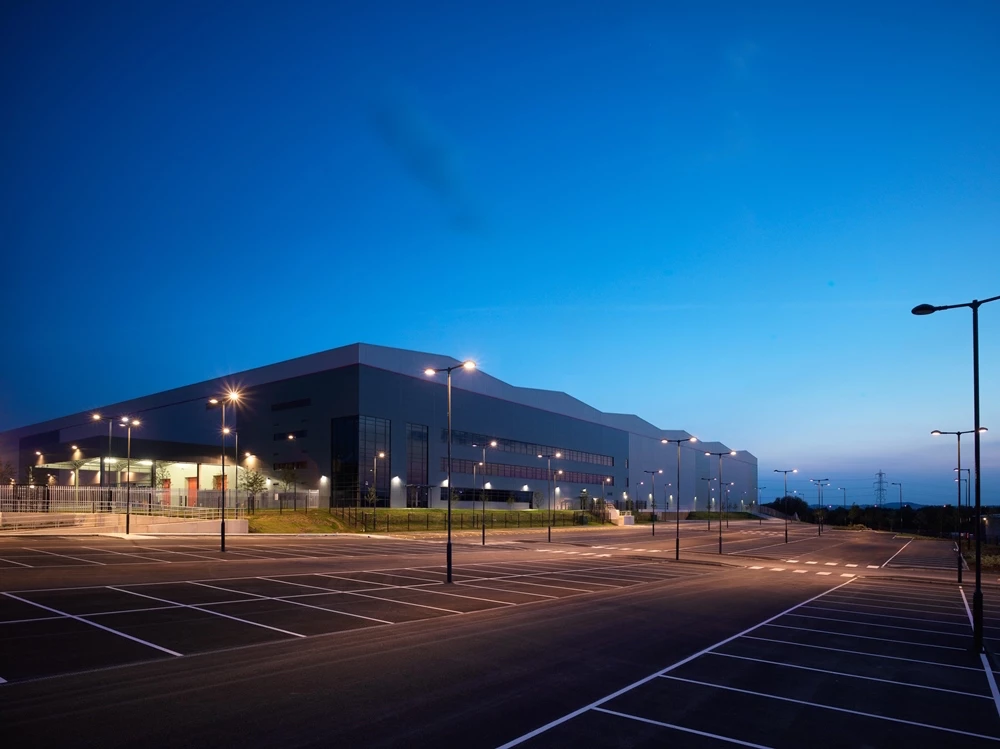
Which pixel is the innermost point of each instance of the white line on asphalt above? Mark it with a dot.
(94, 624)
(830, 564)
(298, 603)
(846, 574)
(756, 567)
(506, 590)
(597, 703)
(207, 611)
(471, 598)
(19, 564)
(849, 675)
(831, 707)
(64, 556)
(30, 621)
(777, 569)
(125, 554)
(874, 567)
(824, 573)
(800, 572)
(680, 728)
(850, 565)
(872, 624)
(851, 601)
(886, 562)
(393, 600)
(858, 652)
(967, 609)
(812, 562)
(992, 681)
(865, 637)
(185, 553)
(792, 561)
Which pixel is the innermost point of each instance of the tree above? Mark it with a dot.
(161, 474)
(7, 472)
(289, 476)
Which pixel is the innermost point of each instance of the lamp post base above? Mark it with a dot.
(677, 549)
(448, 558)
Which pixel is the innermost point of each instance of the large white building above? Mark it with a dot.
(321, 422)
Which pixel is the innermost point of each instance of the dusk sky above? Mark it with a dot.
(715, 215)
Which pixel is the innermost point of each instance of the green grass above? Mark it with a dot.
(314, 521)
(990, 556)
(394, 520)
(703, 515)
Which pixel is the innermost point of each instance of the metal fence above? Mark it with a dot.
(137, 500)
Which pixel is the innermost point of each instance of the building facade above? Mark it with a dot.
(365, 425)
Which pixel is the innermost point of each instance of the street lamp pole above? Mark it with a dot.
(652, 484)
(727, 452)
(128, 424)
(493, 443)
(819, 503)
(375, 460)
(977, 596)
(677, 508)
(708, 500)
(468, 365)
(760, 518)
(548, 457)
(232, 396)
(900, 485)
(938, 433)
(784, 497)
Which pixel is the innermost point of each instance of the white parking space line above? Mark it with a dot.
(845, 601)
(872, 624)
(886, 562)
(830, 564)
(471, 598)
(824, 573)
(659, 674)
(207, 611)
(125, 554)
(812, 562)
(831, 707)
(93, 624)
(64, 556)
(800, 572)
(30, 621)
(862, 597)
(849, 675)
(185, 553)
(859, 652)
(506, 590)
(867, 637)
(675, 727)
(19, 564)
(393, 600)
(874, 567)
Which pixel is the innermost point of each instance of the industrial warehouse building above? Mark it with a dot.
(317, 425)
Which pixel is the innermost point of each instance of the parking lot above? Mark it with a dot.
(884, 660)
(59, 630)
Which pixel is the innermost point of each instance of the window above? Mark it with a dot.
(299, 465)
(416, 465)
(344, 461)
(526, 448)
(374, 437)
(355, 442)
(539, 473)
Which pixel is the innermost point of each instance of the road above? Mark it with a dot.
(360, 642)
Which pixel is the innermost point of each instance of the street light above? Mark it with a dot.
(900, 485)
(784, 498)
(727, 452)
(677, 538)
(819, 503)
(938, 433)
(708, 504)
(375, 460)
(233, 397)
(977, 596)
(128, 424)
(967, 480)
(430, 372)
(548, 457)
(493, 443)
(652, 483)
(760, 518)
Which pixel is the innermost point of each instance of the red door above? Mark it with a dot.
(192, 491)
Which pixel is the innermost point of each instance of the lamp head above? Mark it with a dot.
(983, 429)
(693, 439)
(924, 309)
(732, 452)
(429, 372)
(381, 455)
(213, 401)
(493, 443)
(936, 433)
(96, 417)
(468, 364)
(226, 430)
(233, 395)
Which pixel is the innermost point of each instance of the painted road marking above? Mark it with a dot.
(873, 567)
(800, 572)
(824, 573)
(851, 565)
(777, 569)
(897, 553)
(830, 564)
(812, 562)
(94, 624)
(847, 574)
(679, 728)
(756, 567)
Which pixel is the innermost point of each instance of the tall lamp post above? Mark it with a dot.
(784, 497)
(820, 483)
(760, 518)
(430, 372)
(727, 452)
(652, 484)
(493, 443)
(967, 479)
(128, 424)
(677, 538)
(104, 462)
(977, 596)
(938, 433)
(233, 397)
(900, 485)
(375, 460)
(548, 457)
(708, 502)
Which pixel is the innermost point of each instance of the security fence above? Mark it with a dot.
(136, 500)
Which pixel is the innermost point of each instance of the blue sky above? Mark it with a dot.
(713, 215)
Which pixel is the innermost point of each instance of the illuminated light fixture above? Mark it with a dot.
(291, 436)
(226, 430)
(74, 447)
(234, 395)
(37, 453)
(249, 455)
(96, 417)
(429, 371)
(213, 401)
(469, 364)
